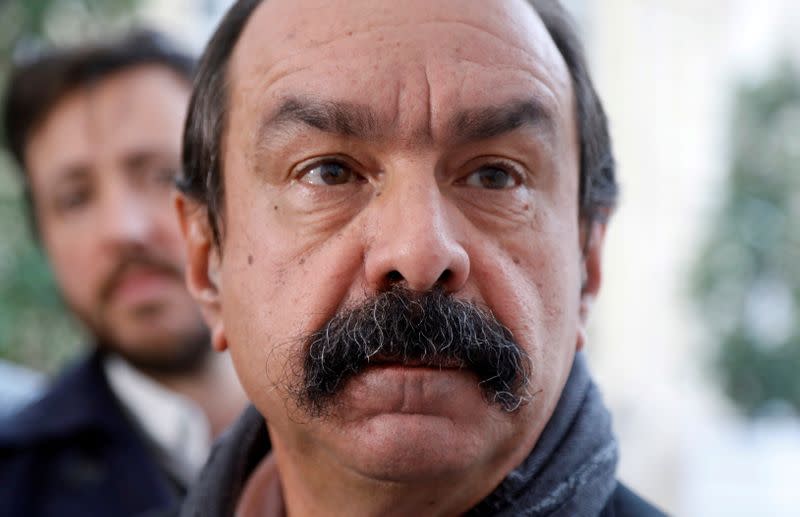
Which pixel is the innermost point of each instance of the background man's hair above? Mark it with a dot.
(202, 176)
(35, 87)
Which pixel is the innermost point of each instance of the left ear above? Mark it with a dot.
(592, 237)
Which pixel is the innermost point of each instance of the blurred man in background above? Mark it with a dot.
(96, 132)
(395, 214)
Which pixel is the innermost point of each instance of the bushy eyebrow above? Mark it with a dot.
(360, 121)
(341, 118)
(489, 122)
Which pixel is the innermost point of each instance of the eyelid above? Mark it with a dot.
(307, 165)
(515, 169)
(304, 167)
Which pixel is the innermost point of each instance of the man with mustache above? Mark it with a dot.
(395, 215)
(96, 132)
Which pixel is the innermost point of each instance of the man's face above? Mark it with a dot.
(101, 167)
(373, 144)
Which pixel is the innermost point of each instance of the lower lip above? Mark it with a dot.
(403, 389)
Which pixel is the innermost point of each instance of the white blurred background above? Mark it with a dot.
(667, 72)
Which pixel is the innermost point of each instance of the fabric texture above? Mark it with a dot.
(75, 452)
(570, 472)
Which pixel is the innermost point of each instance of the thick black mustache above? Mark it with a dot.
(431, 328)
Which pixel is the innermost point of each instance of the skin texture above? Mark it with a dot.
(101, 166)
(413, 207)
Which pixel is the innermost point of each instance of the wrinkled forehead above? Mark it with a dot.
(452, 53)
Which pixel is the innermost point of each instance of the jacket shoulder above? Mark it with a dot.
(76, 452)
(74, 400)
(625, 503)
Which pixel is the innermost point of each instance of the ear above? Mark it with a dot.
(203, 264)
(592, 237)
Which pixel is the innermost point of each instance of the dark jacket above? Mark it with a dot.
(242, 447)
(75, 452)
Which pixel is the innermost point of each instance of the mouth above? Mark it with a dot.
(409, 388)
(140, 285)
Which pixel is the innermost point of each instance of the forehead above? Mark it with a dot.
(131, 110)
(407, 60)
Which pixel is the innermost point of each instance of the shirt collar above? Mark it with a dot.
(174, 424)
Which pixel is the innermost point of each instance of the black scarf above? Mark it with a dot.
(570, 472)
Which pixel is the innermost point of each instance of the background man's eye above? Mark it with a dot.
(165, 176)
(329, 173)
(71, 201)
(492, 177)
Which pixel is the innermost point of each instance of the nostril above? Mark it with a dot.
(394, 276)
(445, 277)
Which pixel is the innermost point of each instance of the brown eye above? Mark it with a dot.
(329, 174)
(72, 200)
(492, 177)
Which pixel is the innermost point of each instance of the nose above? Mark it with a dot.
(415, 242)
(124, 219)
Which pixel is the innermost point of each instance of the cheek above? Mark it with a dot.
(290, 255)
(531, 281)
(252, 326)
(77, 266)
(166, 239)
(278, 286)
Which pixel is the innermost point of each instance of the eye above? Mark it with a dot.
(329, 173)
(165, 176)
(494, 177)
(72, 199)
(161, 178)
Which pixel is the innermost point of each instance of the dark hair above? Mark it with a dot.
(36, 86)
(202, 177)
(598, 179)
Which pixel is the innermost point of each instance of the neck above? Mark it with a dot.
(214, 387)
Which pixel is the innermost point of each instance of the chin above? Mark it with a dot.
(412, 425)
(161, 348)
(404, 448)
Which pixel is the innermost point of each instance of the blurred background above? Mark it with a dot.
(696, 338)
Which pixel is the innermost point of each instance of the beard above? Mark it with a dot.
(134, 335)
(430, 329)
(183, 355)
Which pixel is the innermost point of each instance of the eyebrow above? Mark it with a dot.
(341, 118)
(493, 121)
(359, 121)
(140, 159)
